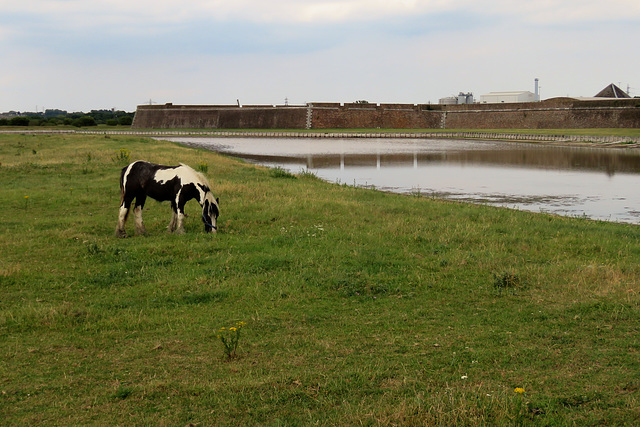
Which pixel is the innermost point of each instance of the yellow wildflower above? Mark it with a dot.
(519, 390)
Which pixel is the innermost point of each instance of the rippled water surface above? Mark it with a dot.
(575, 181)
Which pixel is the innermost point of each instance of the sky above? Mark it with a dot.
(81, 55)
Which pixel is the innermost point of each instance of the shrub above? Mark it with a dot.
(19, 121)
(84, 121)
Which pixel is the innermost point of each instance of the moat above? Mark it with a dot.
(597, 183)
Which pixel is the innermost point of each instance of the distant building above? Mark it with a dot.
(465, 98)
(462, 98)
(612, 91)
(449, 100)
(508, 97)
(10, 114)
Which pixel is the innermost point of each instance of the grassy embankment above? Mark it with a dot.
(361, 306)
(622, 132)
(569, 132)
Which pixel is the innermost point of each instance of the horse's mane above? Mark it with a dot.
(201, 177)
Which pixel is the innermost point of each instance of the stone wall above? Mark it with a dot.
(557, 113)
(373, 116)
(171, 116)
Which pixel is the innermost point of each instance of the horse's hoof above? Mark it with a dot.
(121, 234)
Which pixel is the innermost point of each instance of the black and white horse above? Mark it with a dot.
(178, 184)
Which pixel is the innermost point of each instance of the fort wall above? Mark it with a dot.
(171, 116)
(557, 113)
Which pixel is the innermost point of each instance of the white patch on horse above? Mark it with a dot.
(126, 174)
(183, 172)
(122, 216)
(164, 175)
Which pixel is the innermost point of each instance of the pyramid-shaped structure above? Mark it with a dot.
(612, 91)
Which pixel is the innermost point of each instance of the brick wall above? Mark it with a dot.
(219, 117)
(373, 116)
(556, 113)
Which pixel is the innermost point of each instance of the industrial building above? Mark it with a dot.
(462, 98)
(609, 92)
(511, 97)
(508, 97)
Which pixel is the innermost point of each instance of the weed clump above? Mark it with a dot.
(507, 281)
(280, 172)
(122, 393)
(122, 156)
(203, 167)
(230, 337)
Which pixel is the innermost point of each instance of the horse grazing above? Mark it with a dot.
(178, 184)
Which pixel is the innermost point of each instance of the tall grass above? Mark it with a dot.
(361, 307)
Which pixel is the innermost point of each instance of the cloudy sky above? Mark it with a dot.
(79, 55)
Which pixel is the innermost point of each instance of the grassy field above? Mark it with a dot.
(361, 307)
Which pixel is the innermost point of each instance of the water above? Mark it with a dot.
(597, 183)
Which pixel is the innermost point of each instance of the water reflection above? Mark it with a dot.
(576, 181)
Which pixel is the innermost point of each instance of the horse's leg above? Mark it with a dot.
(137, 213)
(174, 221)
(180, 222)
(179, 213)
(174, 218)
(123, 214)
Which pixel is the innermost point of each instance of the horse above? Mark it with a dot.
(177, 184)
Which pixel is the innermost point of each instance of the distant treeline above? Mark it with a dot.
(61, 117)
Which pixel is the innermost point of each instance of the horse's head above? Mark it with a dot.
(210, 212)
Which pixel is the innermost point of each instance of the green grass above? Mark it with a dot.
(361, 307)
